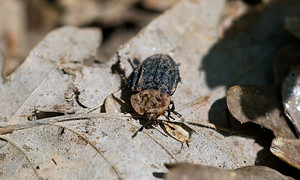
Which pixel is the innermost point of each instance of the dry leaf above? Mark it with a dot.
(158, 5)
(87, 143)
(233, 10)
(13, 41)
(111, 105)
(194, 172)
(41, 82)
(114, 104)
(177, 130)
(110, 12)
(99, 145)
(290, 93)
(292, 25)
(287, 150)
(285, 72)
(260, 105)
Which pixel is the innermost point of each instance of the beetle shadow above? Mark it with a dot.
(124, 87)
(126, 91)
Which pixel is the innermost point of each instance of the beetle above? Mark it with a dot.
(154, 82)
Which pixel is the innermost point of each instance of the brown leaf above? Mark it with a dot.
(260, 105)
(13, 33)
(158, 5)
(195, 172)
(110, 12)
(287, 150)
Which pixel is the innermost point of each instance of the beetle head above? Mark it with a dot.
(151, 102)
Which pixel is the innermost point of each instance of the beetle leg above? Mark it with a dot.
(160, 121)
(124, 79)
(172, 109)
(141, 129)
(130, 62)
(168, 116)
(149, 123)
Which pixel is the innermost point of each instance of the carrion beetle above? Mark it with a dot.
(154, 82)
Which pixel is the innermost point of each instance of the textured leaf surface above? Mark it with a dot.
(260, 105)
(287, 150)
(99, 145)
(189, 171)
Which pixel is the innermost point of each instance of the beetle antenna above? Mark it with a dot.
(130, 62)
(172, 109)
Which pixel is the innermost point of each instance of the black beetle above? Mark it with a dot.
(154, 82)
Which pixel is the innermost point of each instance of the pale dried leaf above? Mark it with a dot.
(178, 131)
(89, 142)
(41, 81)
(138, 158)
(111, 105)
(86, 146)
(114, 104)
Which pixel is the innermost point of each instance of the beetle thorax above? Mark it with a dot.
(150, 102)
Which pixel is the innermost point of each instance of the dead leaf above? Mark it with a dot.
(114, 104)
(292, 25)
(110, 12)
(193, 172)
(287, 150)
(111, 105)
(177, 130)
(41, 84)
(99, 145)
(233, 11)
(290, 93)
(13, 33)
(87, 143)
(158, 5)
(260, 105)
